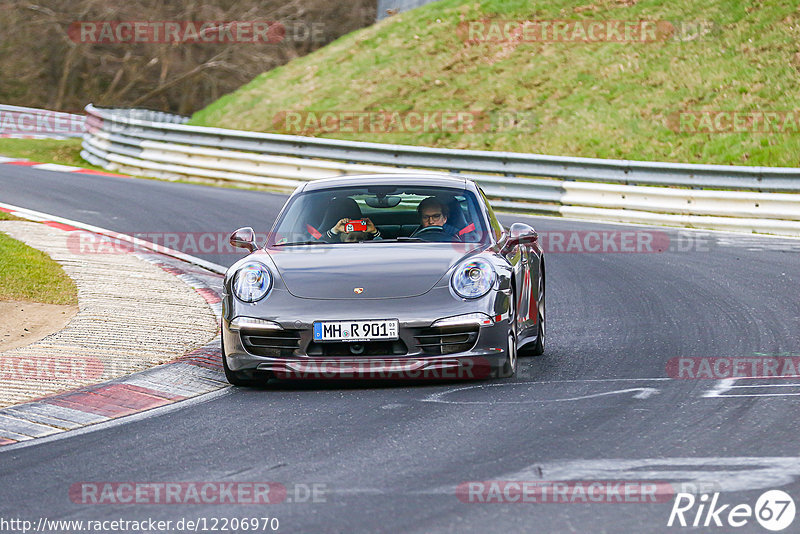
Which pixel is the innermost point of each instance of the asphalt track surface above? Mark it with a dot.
(388, 457)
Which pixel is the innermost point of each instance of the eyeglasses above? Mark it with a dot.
(432, 217)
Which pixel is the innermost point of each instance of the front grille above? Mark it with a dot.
(447, 339)
(282, 343)
(366, 348)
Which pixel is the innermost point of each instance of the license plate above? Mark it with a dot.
(356, 330)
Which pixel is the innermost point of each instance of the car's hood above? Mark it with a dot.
(380, 270)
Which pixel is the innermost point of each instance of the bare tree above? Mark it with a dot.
(44, 62)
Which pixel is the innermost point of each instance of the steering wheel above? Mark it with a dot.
(430, 233)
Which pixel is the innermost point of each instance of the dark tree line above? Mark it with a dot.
(46, 62)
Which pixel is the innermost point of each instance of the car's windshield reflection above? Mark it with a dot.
(360, 215)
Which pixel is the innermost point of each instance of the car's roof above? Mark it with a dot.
(364, 180)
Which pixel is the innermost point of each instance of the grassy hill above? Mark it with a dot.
(594, 99)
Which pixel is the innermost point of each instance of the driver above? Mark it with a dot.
(432, 212)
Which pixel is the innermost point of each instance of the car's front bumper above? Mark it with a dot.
(291, 352)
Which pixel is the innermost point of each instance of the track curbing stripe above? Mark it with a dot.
(25, 428)
(57, 167)
(195, 373)
(39, 417)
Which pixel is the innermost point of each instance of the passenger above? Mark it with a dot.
(354, 237)
(339, 212)
(340, 230)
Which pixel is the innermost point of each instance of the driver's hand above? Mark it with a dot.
(340, 226)
(370, 227)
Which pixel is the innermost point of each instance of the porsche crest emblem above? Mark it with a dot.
(358, 290)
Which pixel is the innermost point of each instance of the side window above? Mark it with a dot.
(497, 228)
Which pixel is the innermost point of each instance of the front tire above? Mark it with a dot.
(538, 347)
(509, 367)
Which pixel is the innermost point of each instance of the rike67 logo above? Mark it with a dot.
(774, 510)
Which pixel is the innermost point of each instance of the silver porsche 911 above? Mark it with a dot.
(384, 276)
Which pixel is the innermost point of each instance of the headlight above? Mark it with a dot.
(251, 282)
(473, 278)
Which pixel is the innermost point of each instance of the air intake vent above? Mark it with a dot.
(447, 339)
(276, 344)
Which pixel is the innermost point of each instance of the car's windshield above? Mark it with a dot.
(399, 213)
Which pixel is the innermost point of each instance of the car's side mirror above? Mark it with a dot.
(519, 234)
(244, 238)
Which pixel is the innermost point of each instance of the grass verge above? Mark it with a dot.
(591, 99)
(62, 151)
(27, 274)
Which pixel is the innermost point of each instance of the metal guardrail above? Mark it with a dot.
(758, 199)
(17, 121)
(386, 8)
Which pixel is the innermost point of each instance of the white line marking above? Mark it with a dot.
(29, 216)
(760, 395)
(57, 167)
(720, 387)
(578, 380)
(643, 393)
(769, 386)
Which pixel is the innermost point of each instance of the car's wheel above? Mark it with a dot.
(233, 377)
(509, 367)
(538, 347)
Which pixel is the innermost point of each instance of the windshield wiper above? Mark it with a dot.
(404, 238)
(300, 243)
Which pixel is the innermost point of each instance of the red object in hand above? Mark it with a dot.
(356, 225)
